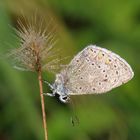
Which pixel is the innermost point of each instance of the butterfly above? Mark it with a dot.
(94, 70)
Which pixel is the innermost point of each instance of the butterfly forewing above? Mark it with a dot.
(96, 70)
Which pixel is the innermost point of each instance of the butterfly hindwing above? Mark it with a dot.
(96, 70)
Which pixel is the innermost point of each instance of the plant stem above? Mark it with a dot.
(42, 103)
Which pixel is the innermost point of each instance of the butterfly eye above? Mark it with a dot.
(65, 98)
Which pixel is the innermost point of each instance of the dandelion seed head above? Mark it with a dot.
(37, 40)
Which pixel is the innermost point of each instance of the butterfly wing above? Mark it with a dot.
(96, 70)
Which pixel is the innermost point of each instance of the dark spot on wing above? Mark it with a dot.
(91, 50)
(105, 80)
(77, 61)
(93, 89)
(115, 66)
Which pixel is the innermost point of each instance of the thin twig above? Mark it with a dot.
(42, 103)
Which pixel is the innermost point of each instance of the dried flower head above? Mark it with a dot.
(36, 42)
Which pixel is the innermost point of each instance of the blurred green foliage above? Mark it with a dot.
(110, 24)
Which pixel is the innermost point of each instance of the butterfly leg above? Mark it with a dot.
(49, 94)
(51, 86)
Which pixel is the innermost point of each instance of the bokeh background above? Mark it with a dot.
(114, 25)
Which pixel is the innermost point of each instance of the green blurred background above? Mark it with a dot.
(114, 25)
